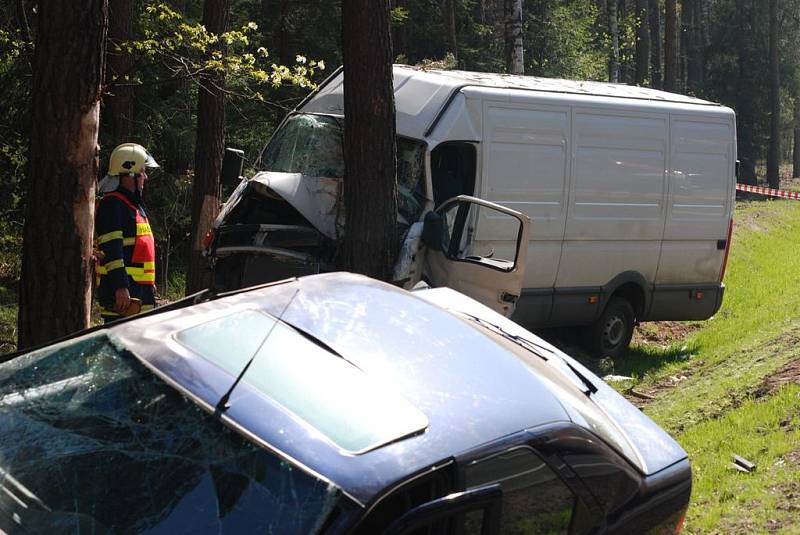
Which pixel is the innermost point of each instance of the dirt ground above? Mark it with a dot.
(663, 333)
(790, 373)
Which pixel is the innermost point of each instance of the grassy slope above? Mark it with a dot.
(716, 408)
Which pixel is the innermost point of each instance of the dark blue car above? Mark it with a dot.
(326, 404)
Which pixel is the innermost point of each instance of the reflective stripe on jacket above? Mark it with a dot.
(141, 265)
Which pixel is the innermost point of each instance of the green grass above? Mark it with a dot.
(755, 332)
(10, 267)
(728, 501)
(714, 410)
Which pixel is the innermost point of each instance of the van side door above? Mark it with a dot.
(452, 260)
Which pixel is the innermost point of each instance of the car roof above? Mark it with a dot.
(470, 389)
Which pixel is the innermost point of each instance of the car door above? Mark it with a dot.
(493, 277)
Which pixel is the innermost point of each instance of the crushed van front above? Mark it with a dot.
(261, 237)
(287, 220)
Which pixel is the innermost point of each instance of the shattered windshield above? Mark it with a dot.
(313, 146)
(101, 445)
(306, 144)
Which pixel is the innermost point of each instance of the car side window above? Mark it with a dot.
(535, 500)
(403, 499)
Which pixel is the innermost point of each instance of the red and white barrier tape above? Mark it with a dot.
(769, 191)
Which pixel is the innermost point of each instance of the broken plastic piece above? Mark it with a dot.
(742, 464)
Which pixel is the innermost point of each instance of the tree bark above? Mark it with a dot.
(613, 32)
(449, 12)
(642, 42)
(209, 151)
(515, 61)
(626, 67)
(670, 45)
(655, 40)
(774, 151)
(55, 288)
(796, 151)
(370, 189)
(684, 43)
(695, 57)
(745, 120)
(399, 34)
(118, 100)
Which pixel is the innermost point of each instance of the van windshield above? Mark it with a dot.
(313, 145)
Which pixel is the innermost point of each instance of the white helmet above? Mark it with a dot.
(126, 159)
(129, 159)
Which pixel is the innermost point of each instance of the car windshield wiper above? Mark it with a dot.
(530, 345)
(534, 348)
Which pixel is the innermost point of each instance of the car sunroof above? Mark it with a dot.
(336, 398)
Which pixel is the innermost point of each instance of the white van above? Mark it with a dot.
(630, 192)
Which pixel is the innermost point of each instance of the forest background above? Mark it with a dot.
(161, 60)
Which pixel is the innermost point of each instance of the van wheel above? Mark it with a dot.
(611, 334)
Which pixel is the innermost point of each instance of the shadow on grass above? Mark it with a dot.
(639, 361)
(642, 360)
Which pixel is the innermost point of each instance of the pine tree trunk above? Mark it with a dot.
(55, 288)
(399, 34)
(655, 41)
(796, 151)
(670, 45)
(209, 151)
(626, 67)
(774, 151)
(745, 119)
(697, 52)
(613, 32)
(515, 62)
(642, 42)
(370, 189)
(684, 44)
(449, 12)
(118, 101)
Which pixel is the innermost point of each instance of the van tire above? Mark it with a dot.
(611, 334)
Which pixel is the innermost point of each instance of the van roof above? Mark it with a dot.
(551, 85)
(422, 95)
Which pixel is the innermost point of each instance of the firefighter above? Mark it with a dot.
(126, 265)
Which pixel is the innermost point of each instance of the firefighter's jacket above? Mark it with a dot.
(126, 241)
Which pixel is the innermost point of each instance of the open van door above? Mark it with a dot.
(453, 259)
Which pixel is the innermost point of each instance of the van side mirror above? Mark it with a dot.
(432, 228)
(232, 165)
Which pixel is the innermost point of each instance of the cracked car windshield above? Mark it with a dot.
(312, 145)
(103, 445)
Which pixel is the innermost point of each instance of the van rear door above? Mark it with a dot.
(453, 260)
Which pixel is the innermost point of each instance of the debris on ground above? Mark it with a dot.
(640, 395)
(743, 465)
(617, 378)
